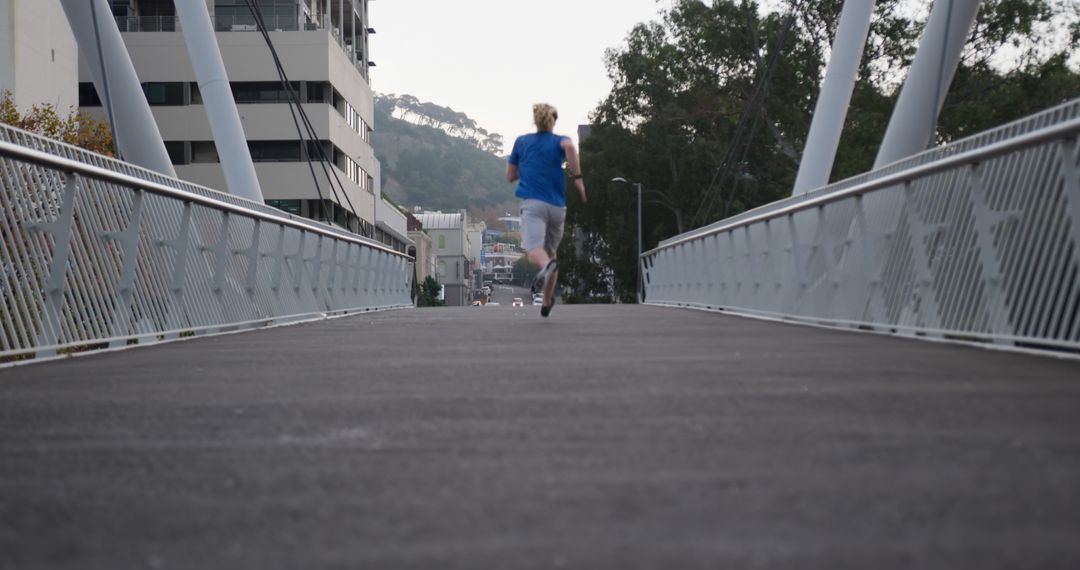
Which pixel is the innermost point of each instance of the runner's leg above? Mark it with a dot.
(556, 218)
(549, 288)
(534, 234)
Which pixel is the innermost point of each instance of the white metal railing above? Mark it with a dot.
(96, 252)
(977, 240)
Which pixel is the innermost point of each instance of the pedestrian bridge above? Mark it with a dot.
(369, 434)
(617, 436)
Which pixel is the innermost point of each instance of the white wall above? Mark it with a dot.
(38, 55)
(392, 219)
(306, 56)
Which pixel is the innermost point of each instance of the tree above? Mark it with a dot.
(523, 271)
(435, 158)
(427, 293)
(710, 107)
(77, 128)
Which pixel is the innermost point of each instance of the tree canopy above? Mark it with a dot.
(456, 124)
(77, 128)
(438, 158)
(711, 104)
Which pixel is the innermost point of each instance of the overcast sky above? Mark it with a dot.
(492, 59)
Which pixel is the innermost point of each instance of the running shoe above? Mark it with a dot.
(545, 310)
(538, 283)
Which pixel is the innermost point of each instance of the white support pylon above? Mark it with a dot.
(914, 117)
(218, 100)
(830, 111)
(103, 51)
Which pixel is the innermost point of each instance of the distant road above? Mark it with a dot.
(505, 294)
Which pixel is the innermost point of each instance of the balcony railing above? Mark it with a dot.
(222, 23)
(148, 23)
(237, 23)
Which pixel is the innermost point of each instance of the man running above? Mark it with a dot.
(536, 163)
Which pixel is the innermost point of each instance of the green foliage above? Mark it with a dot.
(438, 158)
(582, 273)
(524, 271)
(76, 128)
(427, 293)
(452, 122)
(711, 104)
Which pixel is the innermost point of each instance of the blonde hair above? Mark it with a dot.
(544, 117)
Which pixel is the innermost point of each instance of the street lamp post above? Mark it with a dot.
(637, 185)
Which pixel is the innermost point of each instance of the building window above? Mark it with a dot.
(353, 171)
(88, 96)
(164, 93)
(177, 151)
(289, 206)
(350, 115)
(274, 151)
(318, 92)
(313, 150)
(442, 242)
(234, 15)
(263, 91)
(204, 151)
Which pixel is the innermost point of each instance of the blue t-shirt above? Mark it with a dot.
(539, 158)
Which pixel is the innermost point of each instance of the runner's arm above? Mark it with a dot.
(574, 164)
(512, 173)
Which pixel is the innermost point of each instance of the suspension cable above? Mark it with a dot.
(296, 109)
(708, 202)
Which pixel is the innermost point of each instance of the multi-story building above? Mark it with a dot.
(474, 232)
(453, 250)
(38, 55)
(421, 249)
(322, 46)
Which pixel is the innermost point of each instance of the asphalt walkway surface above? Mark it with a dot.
(613, 437)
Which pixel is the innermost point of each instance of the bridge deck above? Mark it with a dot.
(605, 437)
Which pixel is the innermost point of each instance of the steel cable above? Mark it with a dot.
(295, 108)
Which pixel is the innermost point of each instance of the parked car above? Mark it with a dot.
(517, 302)
(538, 300)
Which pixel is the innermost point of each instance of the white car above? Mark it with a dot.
(517, 302)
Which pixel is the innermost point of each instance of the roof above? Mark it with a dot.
(440, 221)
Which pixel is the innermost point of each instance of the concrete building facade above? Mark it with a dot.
(421, 249)
(322, 46)
(454, 253)
(474, 233)
(38, 55)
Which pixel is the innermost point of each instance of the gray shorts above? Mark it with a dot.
(541, 225)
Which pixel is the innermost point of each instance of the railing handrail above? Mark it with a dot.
(60, 163)
(976, 155)
(83, 156)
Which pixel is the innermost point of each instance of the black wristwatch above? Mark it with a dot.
(576, 176)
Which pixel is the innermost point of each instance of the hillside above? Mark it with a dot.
(437, 158)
